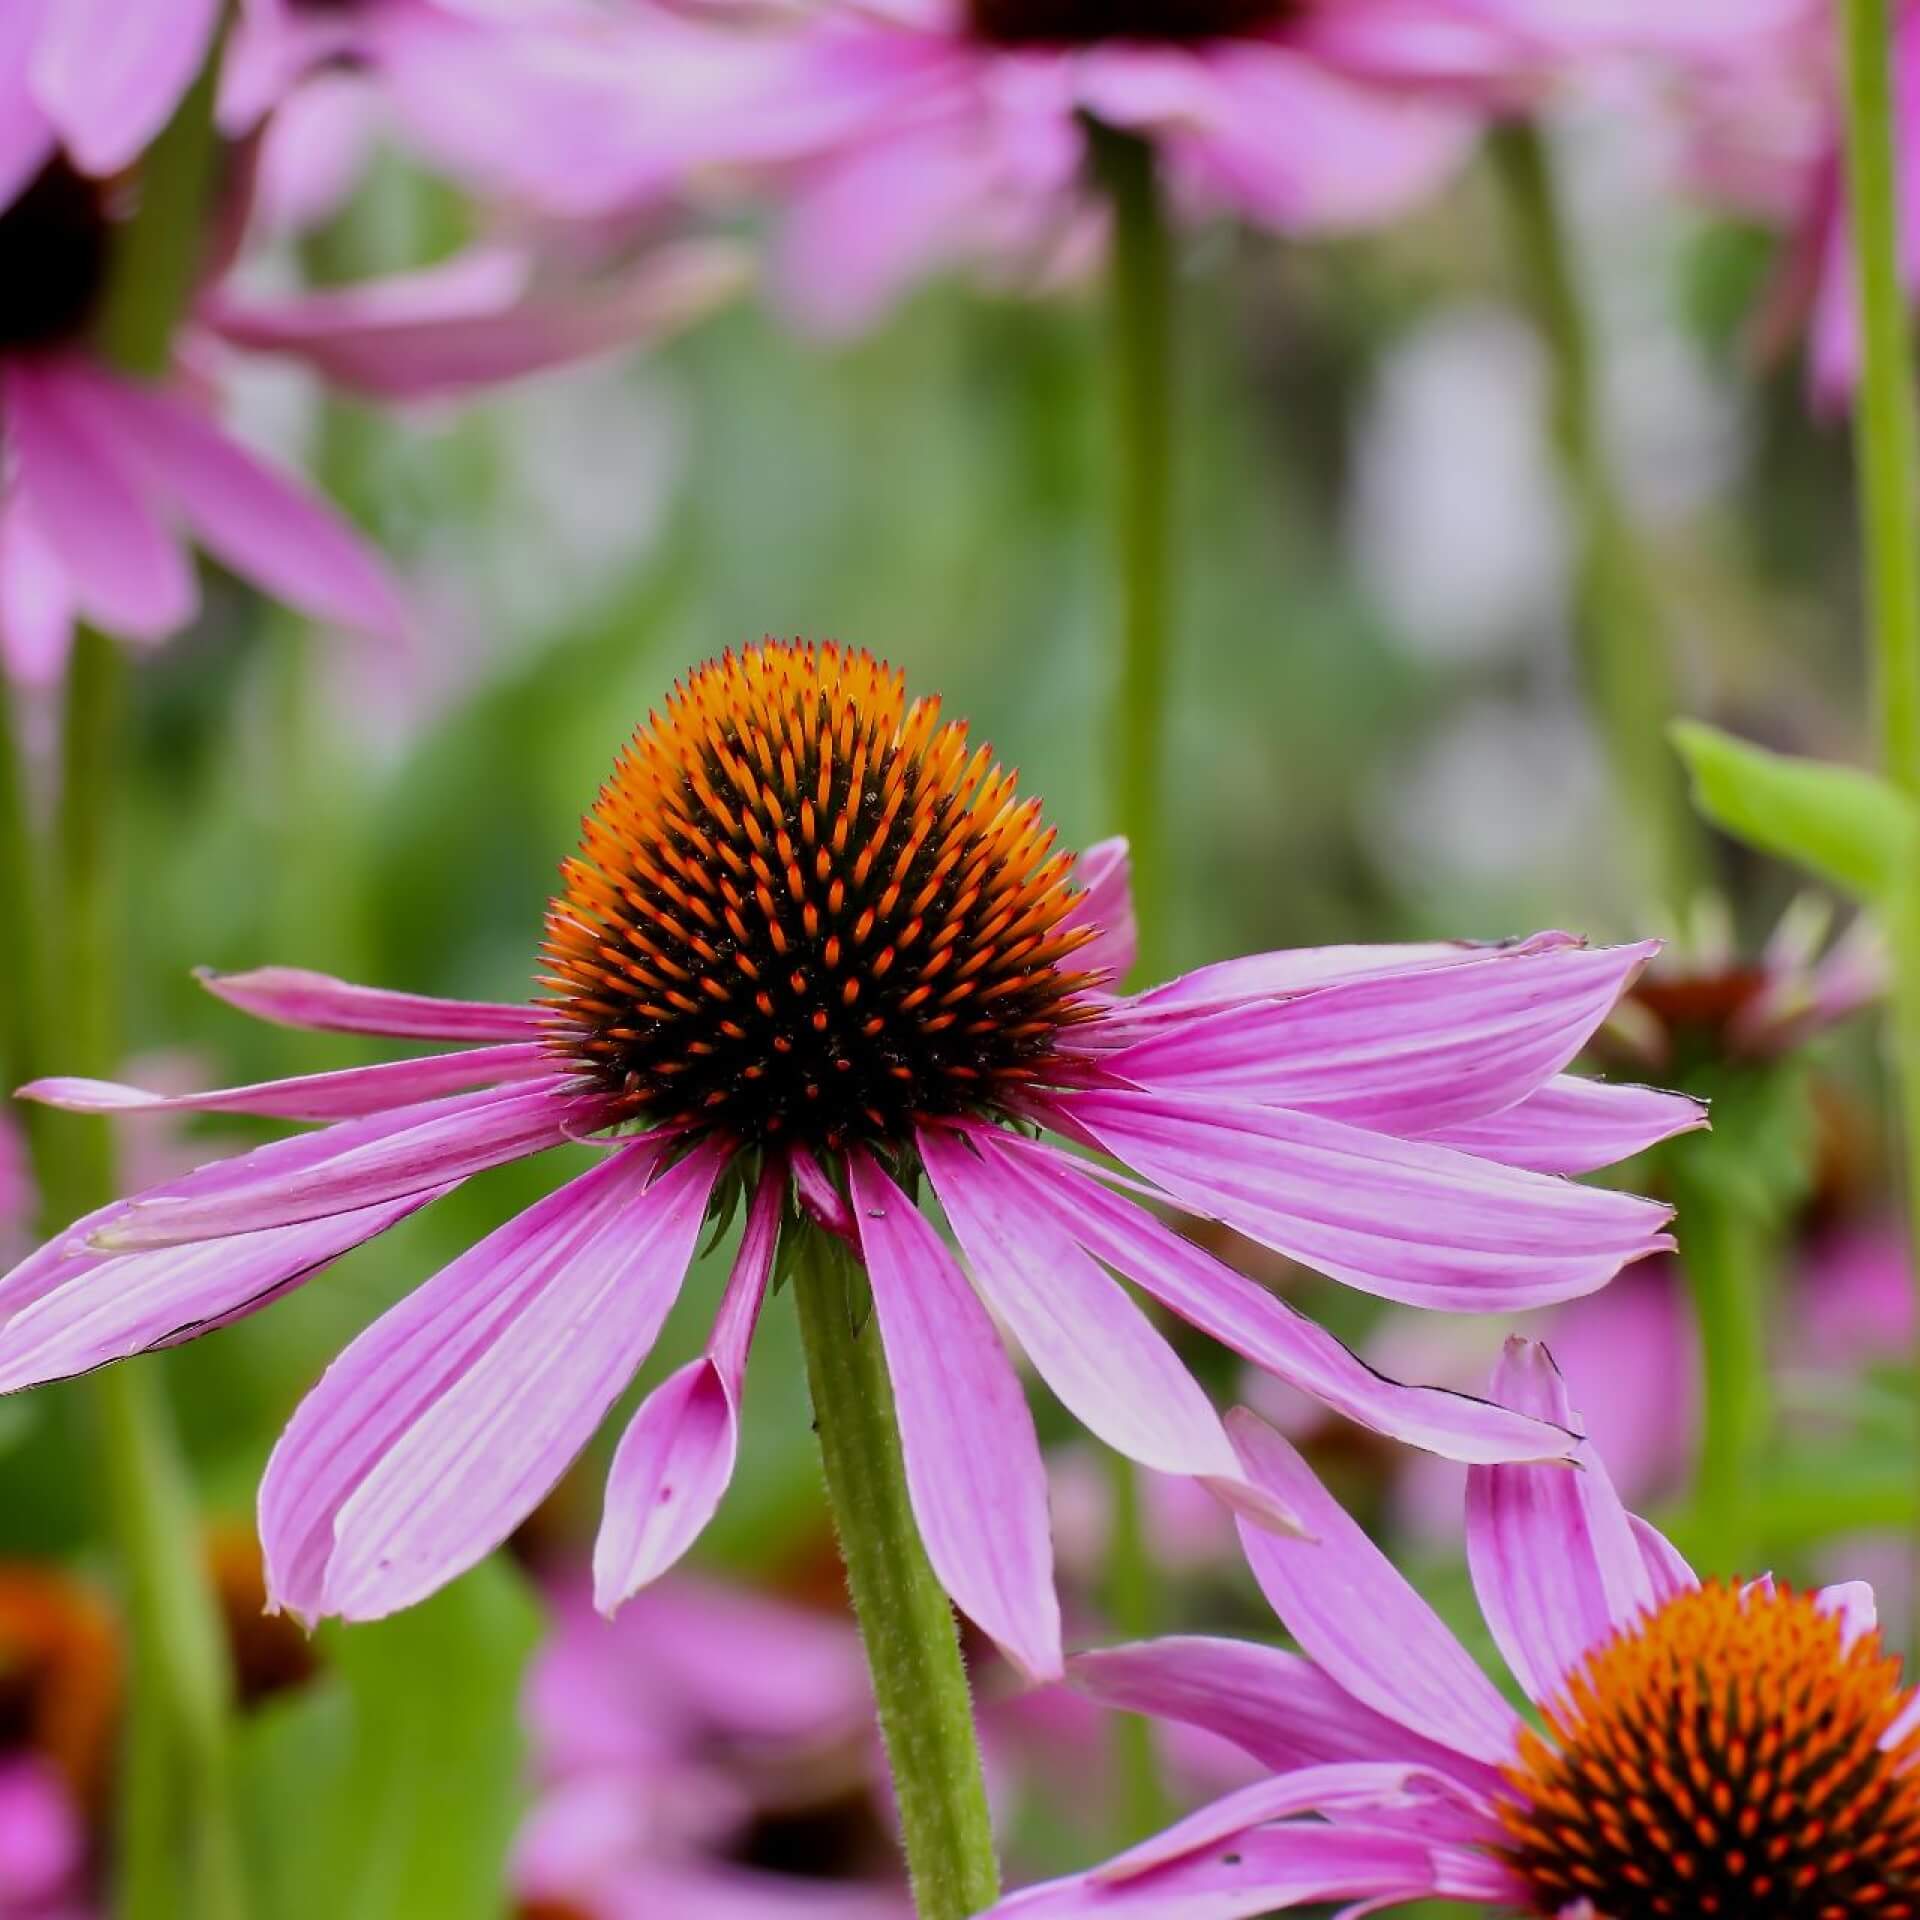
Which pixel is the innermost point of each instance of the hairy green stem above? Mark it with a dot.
(1624, 658)
(913, 1649)
(1887, 450)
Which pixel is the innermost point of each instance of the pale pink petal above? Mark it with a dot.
(109, 1309)
(1399, 1218)
(43, 1837)
(1852, 1603)
(1257, 1325)
(974, 1472)
(1105, 872)
(1359, 1620)
(456, 1137)
(123, 568)
(1575, 1126)
(503, 1384)
(1405, 1053)
(36, 603)
(109, 73)
(293, 997)
(1667, 1569)
(266, 528)
(1276, 1706)
(316, 1096)
(448, 329)
(26, 134)
(1554, 1560)
(676, 1458)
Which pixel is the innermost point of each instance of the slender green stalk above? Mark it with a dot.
(22, 928)
(1624, 655)
(913, 1651)
(1887, 449)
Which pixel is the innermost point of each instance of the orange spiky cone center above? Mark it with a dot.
(1727, 1756)
(804, 911)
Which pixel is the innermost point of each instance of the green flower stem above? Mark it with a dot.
(1727, 1257)
(1628, 672)
(1887, 449)
(178, 1849)
(913, 1650)
(22, 927)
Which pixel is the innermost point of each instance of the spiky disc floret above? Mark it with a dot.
(803, 911)
(1070, 22)
(1724, 1757)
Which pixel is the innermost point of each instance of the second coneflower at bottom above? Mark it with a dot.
(1703, 1750)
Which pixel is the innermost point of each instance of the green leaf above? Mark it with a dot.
(390, 1790)
(1849, 827)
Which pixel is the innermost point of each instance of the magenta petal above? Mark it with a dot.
(974, 1472)
(1276, 1706)
(293, 997)
(1358, 1618)
(1407, 1053)
(449, 1420)
(1575, 1126)
(1553, 1555)
(1105, 872)
(315, 1096)
(1667, 1568)
(125, 570)
(1257, 1325)
(259, 523)
(1403, 1219)
(676, 1458)
(111, 72)
(36, 602)
(109, 1309)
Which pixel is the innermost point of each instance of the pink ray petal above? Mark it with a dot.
(294, 997)
(110, 72)
(1667, 1568)
(1554, 1560)
(974, 1473)
(676, 1458)
(1572, 1125)
(1259, 1327)
(26, 134)
(258, 522)
(1852, 1602)
(1358, 1618)
(345, 1095)
(1088, 1340)
(1399, 1218)
(36, 602)
(1105, 871)
(124, 569)
(1404, 1053)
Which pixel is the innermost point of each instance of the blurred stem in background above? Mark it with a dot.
(1623, 645)
(178, 1851)
(1887, 446)
(1143, 443)
(22, 931)
(913, 1648)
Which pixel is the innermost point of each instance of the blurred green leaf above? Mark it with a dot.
(1849, 827)
(390, 1790)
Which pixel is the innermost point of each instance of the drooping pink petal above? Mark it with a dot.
(110, 73)
(1255, 1324)
(1405, 1053)
(974, 1472)
(315, 1096)
(109, 1309)
(1554, 1560)
(294, 997)
(1359, 1619)
(1575, 1126)
(1111, 1369)
(124, 569)
(1667, 1570)
(441, 1141)
(1105, 871)
(448, 1421)
(36, 603)
(1274, 1705)
(676, 1458)
(470, 323)
(1403, 1219)
(259, 523)
(26, 134)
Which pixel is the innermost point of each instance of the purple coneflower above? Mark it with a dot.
(814, 951)
(1704, 1749)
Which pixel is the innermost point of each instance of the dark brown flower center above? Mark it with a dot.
(803, 911)
(1016, 23)
(1726, 1759)
(53, 259)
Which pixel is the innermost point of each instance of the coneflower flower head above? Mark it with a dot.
(815, 948)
